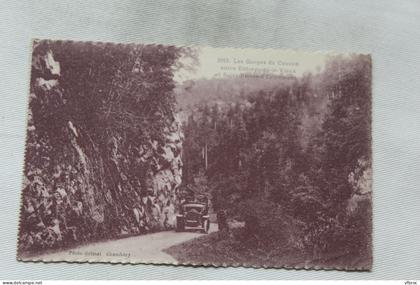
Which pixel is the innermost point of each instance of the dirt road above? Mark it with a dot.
(139, 249)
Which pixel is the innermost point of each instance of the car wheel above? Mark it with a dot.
(179, 225)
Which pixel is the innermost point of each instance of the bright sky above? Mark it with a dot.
(222, 62)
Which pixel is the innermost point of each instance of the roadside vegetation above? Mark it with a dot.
(292, 160)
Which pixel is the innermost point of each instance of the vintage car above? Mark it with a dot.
(193, 216)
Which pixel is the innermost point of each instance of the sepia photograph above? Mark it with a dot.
(204, 156)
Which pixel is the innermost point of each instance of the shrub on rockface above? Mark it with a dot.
(103, 143)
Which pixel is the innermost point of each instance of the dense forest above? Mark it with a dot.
(103, 143)
(114, 145)
(291, 157)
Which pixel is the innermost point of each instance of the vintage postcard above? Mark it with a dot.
(147, 153)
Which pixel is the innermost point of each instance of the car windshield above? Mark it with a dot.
(197, 208)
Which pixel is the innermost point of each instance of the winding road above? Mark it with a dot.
(138, 249)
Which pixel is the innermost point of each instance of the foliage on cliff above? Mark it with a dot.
(103, 143)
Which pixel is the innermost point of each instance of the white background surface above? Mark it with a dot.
(389, 30)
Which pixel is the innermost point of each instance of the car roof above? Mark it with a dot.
(194, 204)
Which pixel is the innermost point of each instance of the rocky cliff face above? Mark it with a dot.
(76, 189)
